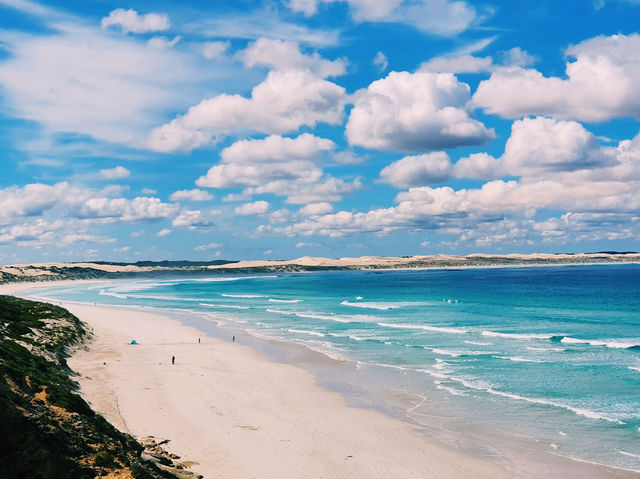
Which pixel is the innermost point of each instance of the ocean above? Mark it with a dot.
(531, 362)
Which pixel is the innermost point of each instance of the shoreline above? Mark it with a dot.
(264, 409)
(441, 461)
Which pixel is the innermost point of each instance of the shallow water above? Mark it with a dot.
(544, 359)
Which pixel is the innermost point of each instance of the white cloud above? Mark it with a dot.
(441, 17)
(381, 61)
(316, 209)
(348, 157)
(132, 21)
(208, 247)
(286, 55)
(480, 166)
(255, 208)
(191, 195)
(115, 173)
(458, 64)
(122, 209)
(418, 170)
(418, 112)
(308, 7)
(601, 84)
(325, 189)
(163, 232)
(302, 244)
(76, 206)
(596, 188)
(85, 238)
(265, 22)
(39, 231)
(29, 200)
(517, 57)
(234, 198)
(162, 43)
(87, 82)
(463, 60)
(277, 148)
(148, 191)
(258, 162)
(211, 50)
(283, 102)
(191, 219)
(538, 147)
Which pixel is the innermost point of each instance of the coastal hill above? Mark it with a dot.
(106, 270)
(46, 429)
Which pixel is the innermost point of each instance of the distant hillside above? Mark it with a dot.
(169, 264)
(108, 270)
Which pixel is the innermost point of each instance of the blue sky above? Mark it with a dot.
(278, 129)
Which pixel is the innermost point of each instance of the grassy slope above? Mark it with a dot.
(46, 429)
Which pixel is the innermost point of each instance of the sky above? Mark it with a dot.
(247, 129)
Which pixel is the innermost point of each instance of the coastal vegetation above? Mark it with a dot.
(46, 429)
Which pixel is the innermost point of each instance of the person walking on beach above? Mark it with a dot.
(173, 360)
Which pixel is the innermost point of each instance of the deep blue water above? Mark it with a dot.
(548, 357)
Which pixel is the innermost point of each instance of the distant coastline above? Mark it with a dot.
(57, 271)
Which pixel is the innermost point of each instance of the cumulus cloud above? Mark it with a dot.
(478, 166)
(417, 112)
(586, 182)
(325, 189)
(283, 102)
(37, 231)
(517, 57)
(255, 208)
(281, 166)
(163, 232)
(259, 162)
(81, 203)
(316, 209)
(123, 209)
(441, 17)
(277, 148)
(29, 200)
(131, 21)
(191, 219)
(116, 173)
(421, 170)
(601, 84)
(539, 147)
(286, 55)
(191, 195)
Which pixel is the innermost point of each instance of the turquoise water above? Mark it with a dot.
(547, 359)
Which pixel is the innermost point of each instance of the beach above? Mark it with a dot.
(238, 415)
(232, 412)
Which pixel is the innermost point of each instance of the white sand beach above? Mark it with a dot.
(237, 414)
